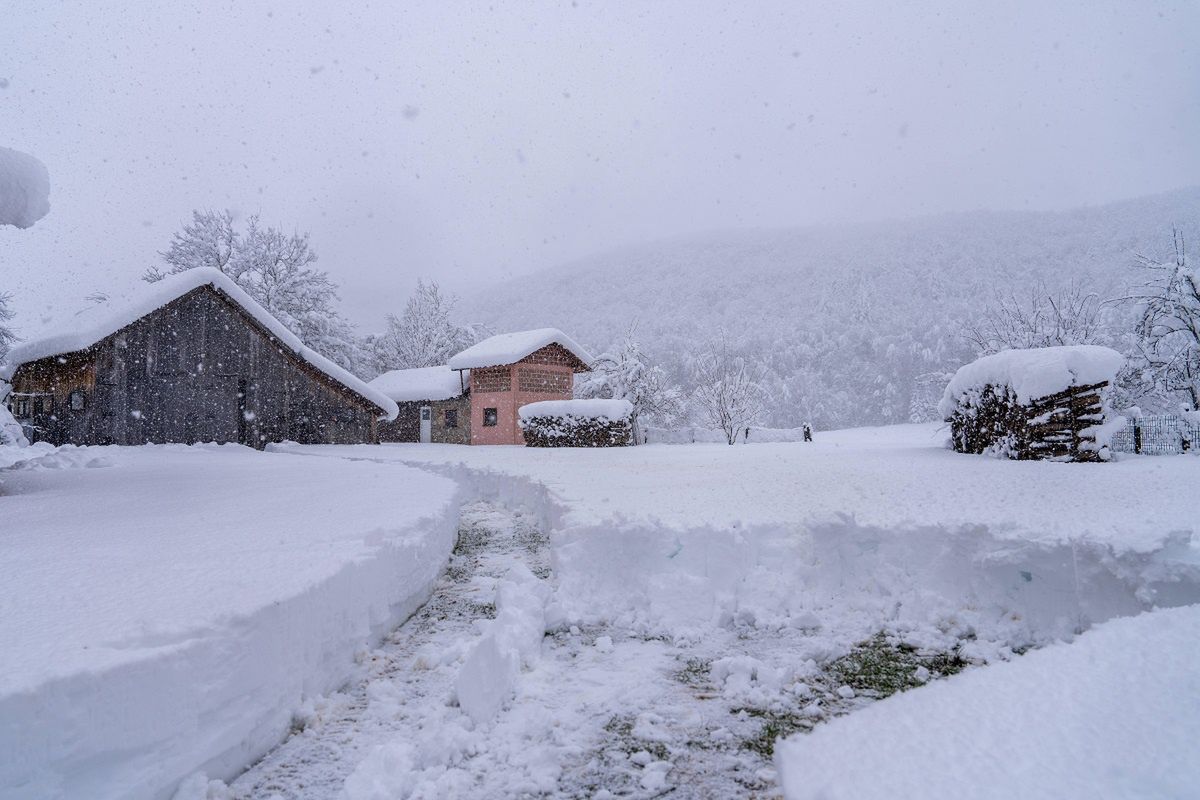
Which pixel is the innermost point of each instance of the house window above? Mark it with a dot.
(489, 417)
(22, 407)
(450, 417)
(76, 400)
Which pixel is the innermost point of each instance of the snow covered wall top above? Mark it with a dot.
(508, 348)
(24, 189)
(1034, 373)
(421, 383)
(82, 329)
(590, 409)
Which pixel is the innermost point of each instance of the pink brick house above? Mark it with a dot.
(513, 369)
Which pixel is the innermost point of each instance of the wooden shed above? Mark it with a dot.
(189, 359)
(434, 403)
(513, 369)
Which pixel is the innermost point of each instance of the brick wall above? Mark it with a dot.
(548, 381)
(491, 379)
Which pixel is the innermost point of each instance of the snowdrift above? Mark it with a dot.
(24, 189)
(168, 609)
(1114, 714)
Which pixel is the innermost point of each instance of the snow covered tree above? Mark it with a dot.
(1046, 318)
(728, 391)
(1168, 326)
(623, 373)
(425, 334)
(274, 268)
(7, 337)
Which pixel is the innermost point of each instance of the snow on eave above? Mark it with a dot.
(509, 348)
(420, 383)
(96, 323)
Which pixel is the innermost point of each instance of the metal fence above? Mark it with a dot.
(1160, 435)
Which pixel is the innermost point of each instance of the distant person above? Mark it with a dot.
(746, 438)
(807, 432)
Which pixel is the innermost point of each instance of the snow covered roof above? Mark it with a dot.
(1034, 373)
(422, 383)
(72, 331)
(509, 348)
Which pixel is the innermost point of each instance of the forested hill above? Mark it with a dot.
(847, 318)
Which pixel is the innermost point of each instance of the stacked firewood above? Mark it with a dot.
(1059, 426)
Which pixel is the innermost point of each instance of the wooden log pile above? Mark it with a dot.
(1052, 427)
(575, 431)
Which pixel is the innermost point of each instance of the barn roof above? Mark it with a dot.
(509, 348)
(421, 383)
(69, 331)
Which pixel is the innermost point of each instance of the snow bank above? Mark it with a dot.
(1114, 714)
(1034, 373)
(423, 383)
(167, 609)
(83, 328)
(583, 409)
(24, 189)
(11, 434)
(509, 348)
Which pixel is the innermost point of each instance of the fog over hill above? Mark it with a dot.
(847, 319)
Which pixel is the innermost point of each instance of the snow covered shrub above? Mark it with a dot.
(577, 423)
(1042, 403)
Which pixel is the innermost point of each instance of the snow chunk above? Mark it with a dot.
(24, 189)
(421, 383)
(84, 328)
(509, 348)
(1034, 373)
(1111, 715)
(586, 409)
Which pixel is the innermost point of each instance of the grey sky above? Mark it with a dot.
(473, 142)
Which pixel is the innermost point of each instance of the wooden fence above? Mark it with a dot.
(1158, 435)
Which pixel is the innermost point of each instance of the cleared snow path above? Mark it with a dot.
(601, 711)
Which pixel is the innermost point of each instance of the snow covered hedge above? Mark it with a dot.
(1047, 402)
(577, 423)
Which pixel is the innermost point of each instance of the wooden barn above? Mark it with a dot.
(513, 369)
(189, 359)
(434, 403)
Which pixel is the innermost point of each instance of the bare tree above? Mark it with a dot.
(425, 335)
(274, 268)
(1168, 327)
(728, 389)
(1045, 318)
(624, 373)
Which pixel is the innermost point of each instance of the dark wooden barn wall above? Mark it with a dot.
(195, 370)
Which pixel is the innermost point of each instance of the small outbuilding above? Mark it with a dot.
(191, 358)
(434, 405)
(510, 370)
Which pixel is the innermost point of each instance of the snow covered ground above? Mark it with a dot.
(698, 603)
(166, 608)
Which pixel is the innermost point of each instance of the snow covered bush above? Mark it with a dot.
(1047, 402)
(577, 423)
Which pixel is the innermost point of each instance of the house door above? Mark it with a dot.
(426, 424)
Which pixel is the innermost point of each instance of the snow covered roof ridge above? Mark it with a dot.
(73, 332)
(419, 383)
(1036, 372)
(509, 348)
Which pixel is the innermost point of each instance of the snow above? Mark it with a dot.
(24, 189)
(168, 608)
(421, 383)
(1114, 714)
(1034, 373)
(79, 329)
(589, 409)
(509, 348)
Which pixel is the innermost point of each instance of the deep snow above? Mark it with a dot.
(1115, 714)
(167, 608)
(24, 188)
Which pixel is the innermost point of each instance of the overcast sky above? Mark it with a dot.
(471, 142)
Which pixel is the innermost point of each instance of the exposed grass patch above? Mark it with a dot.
(878, 668)
(695, 672)
(775, 724)
(620, 730)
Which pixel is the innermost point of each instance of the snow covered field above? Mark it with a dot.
(699, 602)
(166, 608)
